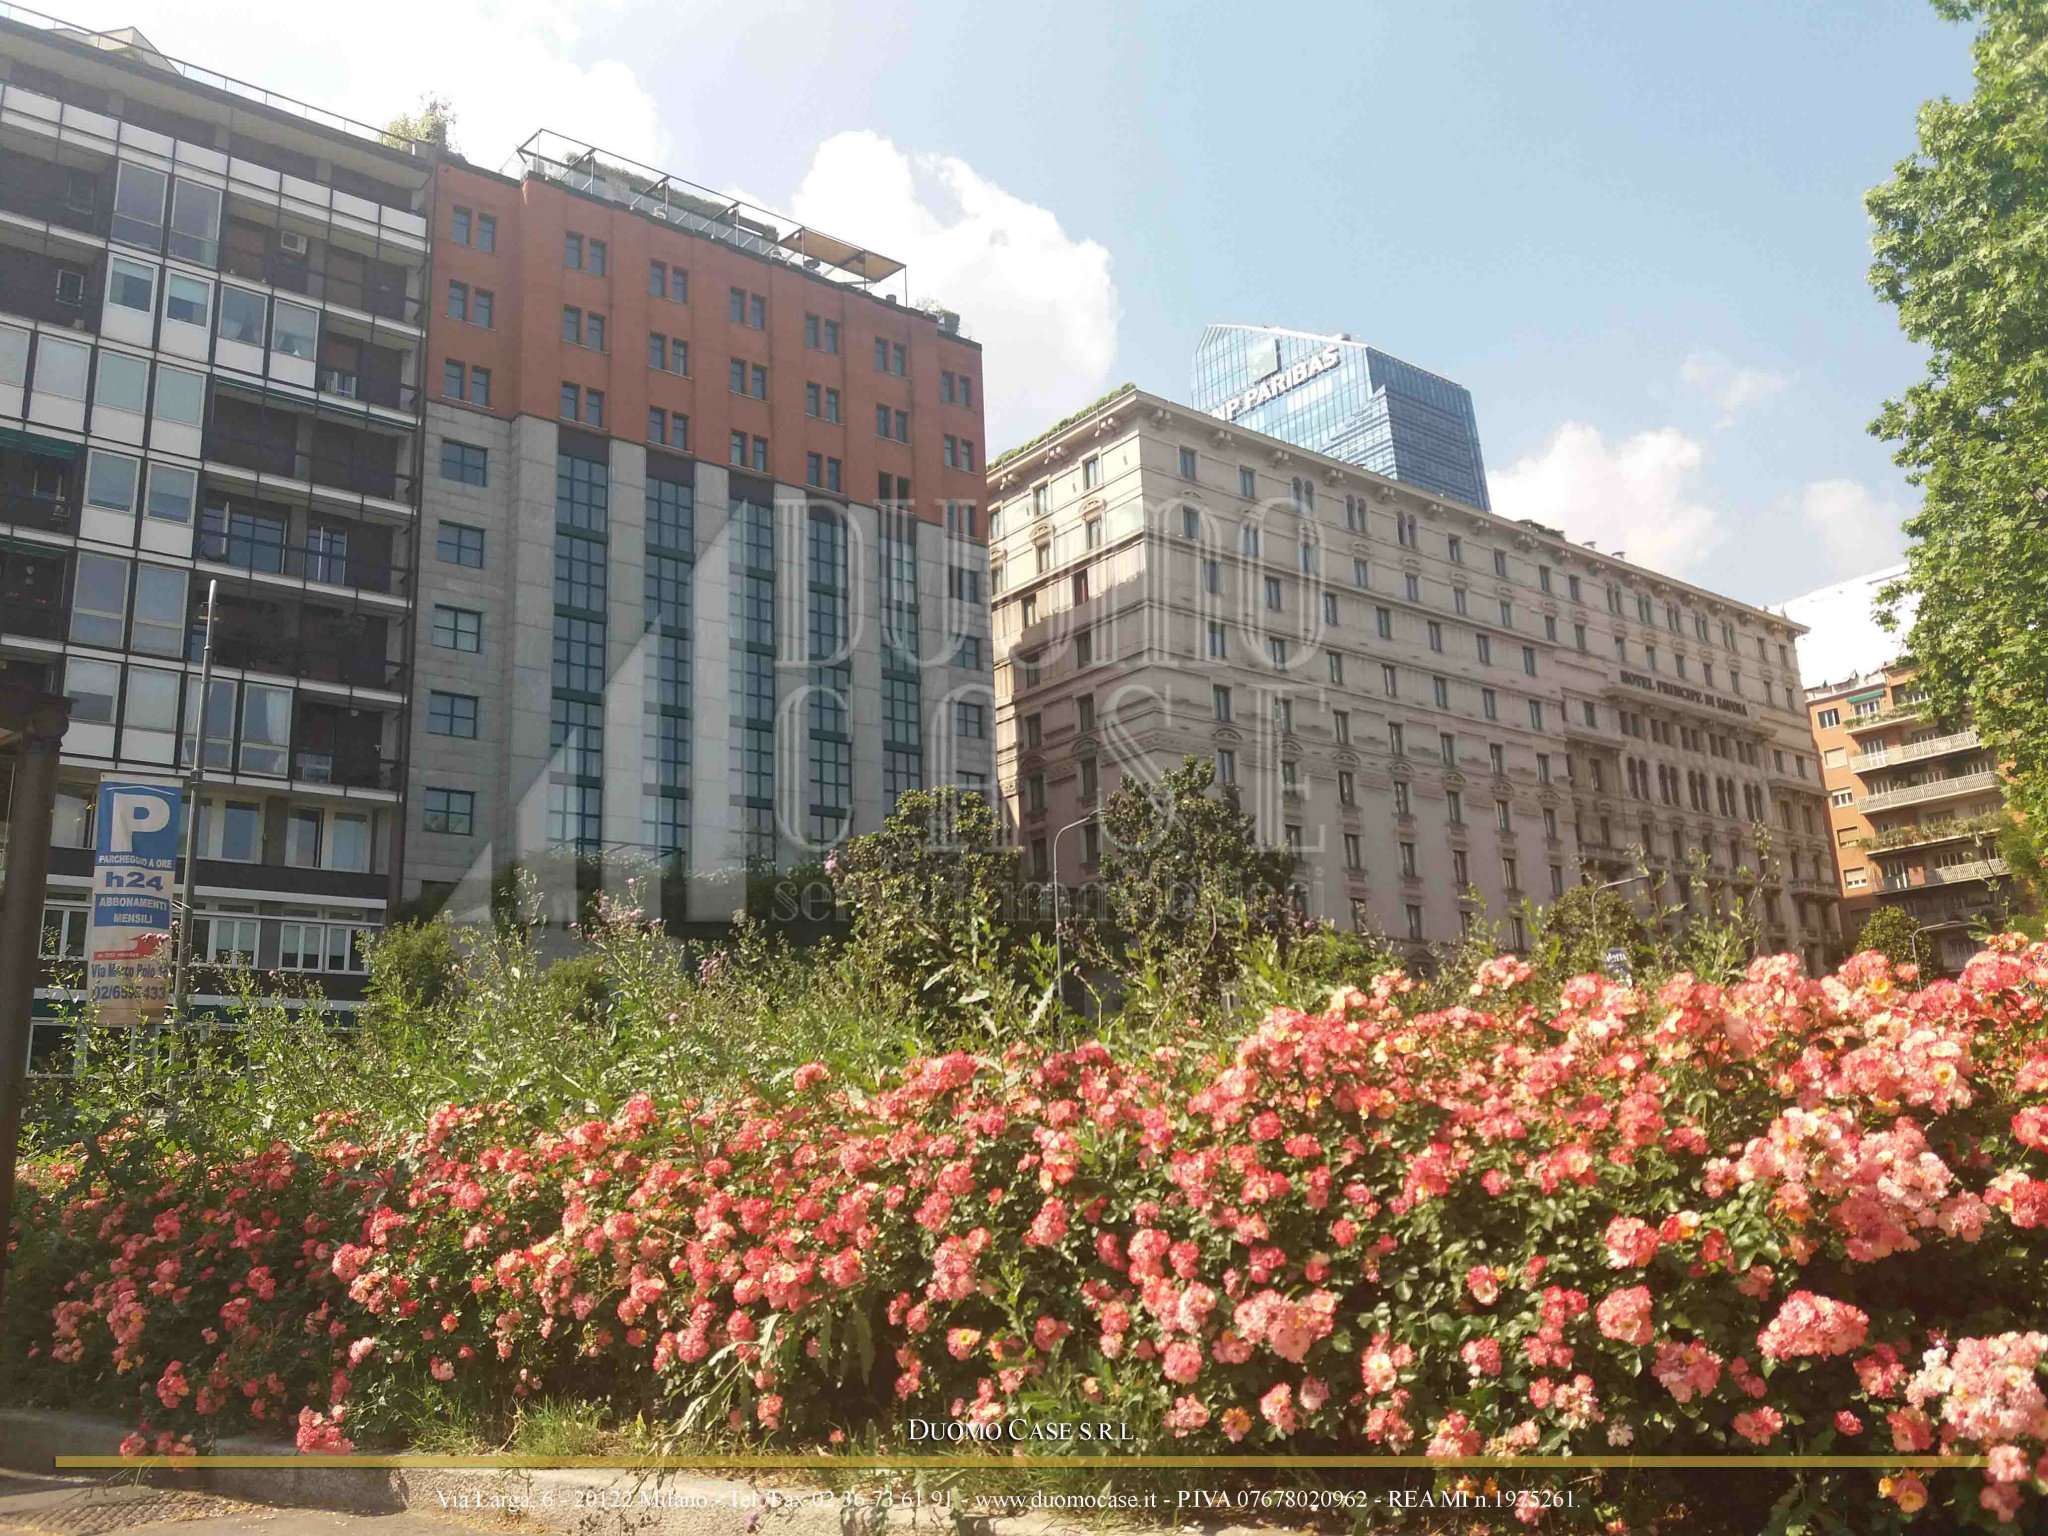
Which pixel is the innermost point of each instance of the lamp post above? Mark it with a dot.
(192, 782)
(1059, 954)
(1599, 926)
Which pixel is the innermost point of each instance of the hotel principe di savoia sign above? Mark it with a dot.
(1279, 382)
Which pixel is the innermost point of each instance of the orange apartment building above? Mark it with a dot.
(1914, 809)
(704, 501)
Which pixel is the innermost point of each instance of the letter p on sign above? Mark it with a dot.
(135, 813)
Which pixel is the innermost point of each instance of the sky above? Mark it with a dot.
(1634, 232)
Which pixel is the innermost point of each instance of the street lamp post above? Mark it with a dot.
(192, 782)
(1599, 925)
(1059, 954)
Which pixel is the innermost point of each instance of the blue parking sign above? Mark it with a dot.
(128, 940)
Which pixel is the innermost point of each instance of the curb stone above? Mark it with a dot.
(595, 1502)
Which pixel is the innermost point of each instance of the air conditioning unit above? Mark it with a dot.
(291, 242)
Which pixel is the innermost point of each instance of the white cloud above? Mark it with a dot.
(508, 66)
(1639, 496)
(1042, 303)
(1732, 388)
(1857, 529)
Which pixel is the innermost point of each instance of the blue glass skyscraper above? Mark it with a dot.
(1340, 397)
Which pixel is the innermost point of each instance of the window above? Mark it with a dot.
(99, 600)
(1397, 739)
(459, 224)
(1440, 691)
(295, 330)
(821, 335)
(458, 629)
(1226, 766)
(139, 205)
(1390, 680)
(460, 544)
(1340, 721)
(241, 316)
(1454, 807)
(1337, 667)
(1828, 719)
(266, 729)
(122, 383)
(1354, 857)
(464, 463)
(451, 714)
(1414, 920)
(1218, 649)
(1454, 547)
(458, 300)
(1489, 703)
(160, 592)
(187, 300)
(890, 357)
(454, 379)
(1347, 787)
(1188, 464)
(110, 480)
(486, 232)
(131, 285)
(970, 720)
(479, 386)
(173, 490)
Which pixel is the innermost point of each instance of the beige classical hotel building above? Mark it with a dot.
(1435, 706)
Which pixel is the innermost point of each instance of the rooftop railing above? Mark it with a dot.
(199, 74)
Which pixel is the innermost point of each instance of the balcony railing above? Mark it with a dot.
(1936, 789)
(256, 652)
(46, 514)
(319, 117)
(1915, 751)
(1856, 725)
(383, 296)
(347, 768)
(1948, 874)
(361, 475)
(303, 562)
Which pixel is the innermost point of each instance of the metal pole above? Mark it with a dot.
(1059, 958)
(192, 782)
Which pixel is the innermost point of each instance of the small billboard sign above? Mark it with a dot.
(128, 938)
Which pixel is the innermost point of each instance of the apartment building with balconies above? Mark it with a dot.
(1916, 805)
(704, 590)
(1440, 710)
(211, 334)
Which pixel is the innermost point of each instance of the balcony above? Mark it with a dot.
(57, 290)
(43, 514)
(1937, 789)
(256, 633)
(33, 587)
(324, 272)
(298, 564)
(1858, 725)
(1946, 874)
(343, 747)
(266, 441)
(1894, 839)
(1914, 751)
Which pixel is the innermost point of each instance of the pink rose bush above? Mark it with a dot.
(1792, 1215)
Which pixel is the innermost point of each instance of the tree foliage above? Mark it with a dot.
(1961, 250)
(1575, 932)
(1894, 933)
(433, 122)
(929, 894)
(1185, 881)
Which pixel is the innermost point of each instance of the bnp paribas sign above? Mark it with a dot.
(1277, 383)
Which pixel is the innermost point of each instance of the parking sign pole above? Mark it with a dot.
(192, 783)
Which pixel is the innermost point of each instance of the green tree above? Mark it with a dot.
(1574, 933)
(1960, 252)
(1186, 884)
(930, 893)
(1893, 933)
(432, 123)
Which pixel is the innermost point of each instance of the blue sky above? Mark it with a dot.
(1634, 232)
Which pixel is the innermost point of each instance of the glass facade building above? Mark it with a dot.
(1335, 396)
